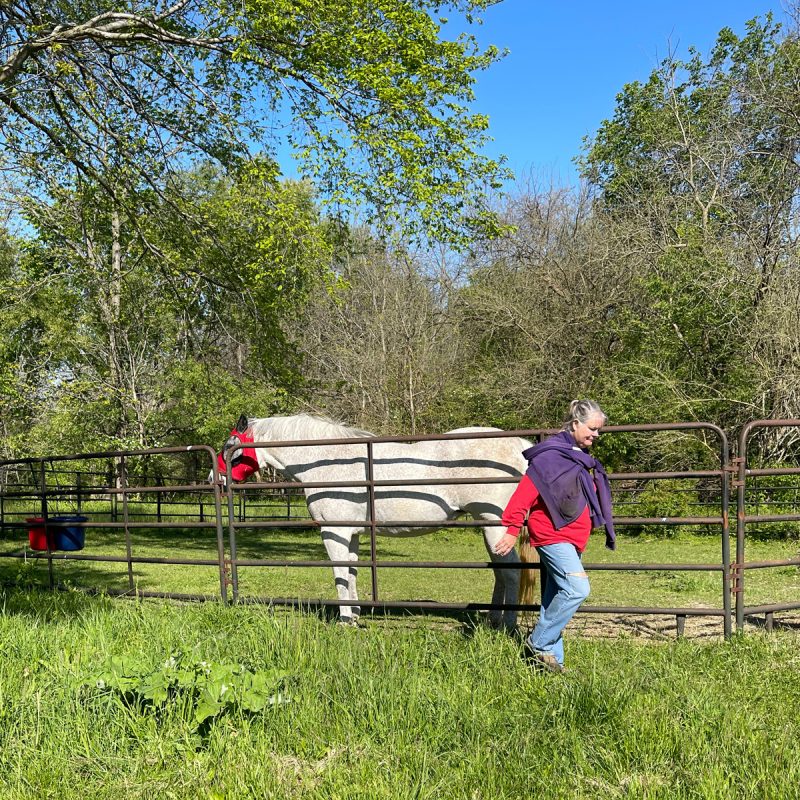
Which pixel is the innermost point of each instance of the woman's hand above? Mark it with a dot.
(506, 544)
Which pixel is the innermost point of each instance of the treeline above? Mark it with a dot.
(667, 287)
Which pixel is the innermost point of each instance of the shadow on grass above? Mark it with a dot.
(42, 604)
(778, 623)
(22, 569)
(273, 543)
(467, 620)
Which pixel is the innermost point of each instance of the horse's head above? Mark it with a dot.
(243, 461)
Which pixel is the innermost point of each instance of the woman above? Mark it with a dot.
(563, 495)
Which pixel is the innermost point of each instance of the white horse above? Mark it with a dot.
(452, 458)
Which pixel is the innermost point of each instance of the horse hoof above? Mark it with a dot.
(348, 622)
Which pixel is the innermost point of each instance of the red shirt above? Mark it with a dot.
(527, 502)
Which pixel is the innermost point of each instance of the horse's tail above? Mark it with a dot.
(528, 555)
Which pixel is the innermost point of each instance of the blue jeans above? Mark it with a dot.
(566, 587)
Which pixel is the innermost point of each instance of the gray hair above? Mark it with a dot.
(580, 411)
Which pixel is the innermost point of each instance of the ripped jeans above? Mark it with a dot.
(566, 587)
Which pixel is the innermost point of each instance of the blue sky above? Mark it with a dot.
(568, 61)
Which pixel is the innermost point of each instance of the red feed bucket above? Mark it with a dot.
(37, 534)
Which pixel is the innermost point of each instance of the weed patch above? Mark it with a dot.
(204, 690)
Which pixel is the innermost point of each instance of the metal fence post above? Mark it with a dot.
(726, 535)
(234, 568)
(123, 485)
(43, 486)
(738, 569)
(223, 562)
(373, 548)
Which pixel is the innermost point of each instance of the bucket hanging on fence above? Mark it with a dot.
(37, 534)
(68, 535)
(71, 536)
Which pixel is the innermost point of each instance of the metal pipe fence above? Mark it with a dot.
(374, 564)
(104, 499)
(744, 481)
(130, 492)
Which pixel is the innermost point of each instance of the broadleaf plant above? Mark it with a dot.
(208, 689)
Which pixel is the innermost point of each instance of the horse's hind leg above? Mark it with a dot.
(338, 546)
(506, 581)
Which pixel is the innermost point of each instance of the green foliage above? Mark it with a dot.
(695, 170)
(156, 305)
(694, 127)
(127, 331)
(202, 402)
(370, 99)
(252, 250)
(203, 690)
(679, 344)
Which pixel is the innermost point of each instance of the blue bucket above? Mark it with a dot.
(68, 536)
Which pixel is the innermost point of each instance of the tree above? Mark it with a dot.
(535, 311)
(134, 350)
(699, 165)
(374, 101)
(260, 248)
(380, 347)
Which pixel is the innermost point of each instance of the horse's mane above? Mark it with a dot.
(302, 426)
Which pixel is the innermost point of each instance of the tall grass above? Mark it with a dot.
(394, 710)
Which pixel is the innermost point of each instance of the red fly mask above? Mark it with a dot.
(244, 462)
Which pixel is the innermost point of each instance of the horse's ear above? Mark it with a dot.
(243, 424)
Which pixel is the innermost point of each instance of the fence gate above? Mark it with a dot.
(713, 480)
(780, 497)
(131, 510)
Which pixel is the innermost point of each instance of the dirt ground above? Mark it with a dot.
(609, 626)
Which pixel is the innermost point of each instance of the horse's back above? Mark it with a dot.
(457, 458)
(434, 460)
(482, 458)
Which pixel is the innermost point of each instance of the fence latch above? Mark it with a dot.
(733, 468)
(736, 576)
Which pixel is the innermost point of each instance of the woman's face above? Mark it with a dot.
(585, 433)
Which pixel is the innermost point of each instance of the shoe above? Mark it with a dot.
(546, 662)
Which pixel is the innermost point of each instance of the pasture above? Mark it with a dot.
(135, 698)
(399, 709)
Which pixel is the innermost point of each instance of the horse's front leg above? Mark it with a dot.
(352, 575)
(338, 544)
(506, 581)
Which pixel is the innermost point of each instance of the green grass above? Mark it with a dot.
(390, 711)
(683, 588)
